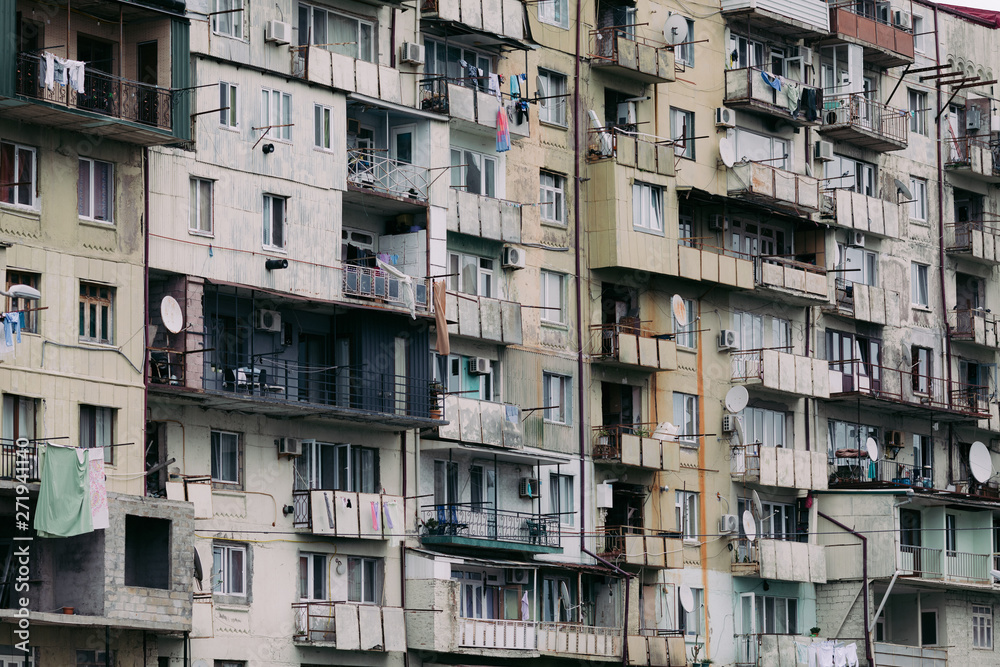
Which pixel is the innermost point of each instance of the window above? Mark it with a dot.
(686, 418)
(346, 35)
(229, 569)
(918, 33)
(474, 172)
(313, 579)
(848, 435)
(19, 417)
(97, 430)
(201, 220)
(690, 622)
(918, 111)
(918, 280)
(553, 306)
(777, 616)
(920, 369)
(97, 304)
(29, 320)
(337, 467)
(982, 626)
(685, 227)
(950, 535)
(753, 146)
(759, 331)
(276, 113)
(561, 498)
(445, 483)
(482, 487)
(553, 109)
(445, 60)
(778, 521)
(227, 18)
(457, 377)
(226, 458)
(686, 508)
(364, 580)
(684, 54)
(321, 126)
(274, 221)
(923, 456)
(552, 203)
(858, 265)
(764, 427)
(471, 274)
(95, 190)
(554, 12)
(556, 397)
(647, 207)
(230, 663)
(918, 206)
(850, 174)
(17, 168)
(229, 104)
(682, 132)
(686, 335)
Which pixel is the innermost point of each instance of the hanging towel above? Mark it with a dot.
(840, 657)
(443, 344)
(792, 95)
(374, 508)
(503, 132)
(405, 284)
(75, 74)
(98, 489)
(771, 80)
(50, 70)
(515, 88)
(852, 655)
(11, 327)
(388, 517)
(812, 655)
(63, 508)
(801, 654)
(524, 607)
(495, 86)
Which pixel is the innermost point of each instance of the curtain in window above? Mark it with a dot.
(343, 36)
(7, 172)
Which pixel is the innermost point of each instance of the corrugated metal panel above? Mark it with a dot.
(8, 52)
(813, 12)
(180, 77)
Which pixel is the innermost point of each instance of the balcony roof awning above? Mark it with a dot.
(447, 28)
(522, 455)
(515, 564)
(397, 108)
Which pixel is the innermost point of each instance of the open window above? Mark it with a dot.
(147, 552)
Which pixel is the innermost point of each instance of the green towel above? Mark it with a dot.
(63, 508)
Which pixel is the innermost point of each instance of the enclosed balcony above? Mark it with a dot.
(868, 24)
(860, 120)
(372, 516)
(641, 546)
(635, 445)
(470, 106)
(774, 187)
(975, 240)
(628, 344)
(807, 19)
(974, 325)
(349, 626)
(748, 89)
(779, 466)
(779, 559)
(856, 211)
(780, 371)
(975, 156)
(619, 51)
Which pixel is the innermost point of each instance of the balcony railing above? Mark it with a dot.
(748, 88)
(348, 514)
(972, 235)
(579, 639)
(748, 365)
(497, 633)
(886, 45)
(859, 470)
(382, 287)
(102, 93)
(631, 54)
(865, 122)
(774, 186)
(790, 274)
(969, 320)
(482, 522)
(10, 453)
(628, 343)
(641, 546)
(920, 561)
(363, 627)
(977, 153)
(973, 568)
(608, 438)
(373, 169)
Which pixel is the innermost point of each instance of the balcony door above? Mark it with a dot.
(746, 646)
(29, 41)
(147, 64)
(857, 360)
(910, 540)
(401, 149)
(754, 239)
(621, 405)
(101, 90)
(313, 361)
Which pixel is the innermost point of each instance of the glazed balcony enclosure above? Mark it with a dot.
(867, 24)
(748, 89)
(116, 69)
(349, 626)
(620, 52)
(860, 120)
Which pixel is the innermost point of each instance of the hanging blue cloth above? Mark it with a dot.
(771, 80)
(11, 326)
(515, 88)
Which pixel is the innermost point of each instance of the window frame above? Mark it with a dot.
(690, 622)
(29, 319)
(553, 111)
(770, 425)
(236, 31)
(268, 222)
(323, 122)
(359, 21)
(684, 402)
(16, 191)
(647, 193)
(486, 274)
(981, 617)
(561, 415)
(684, 54)
(686, 336)
(313, 561)
(547, 308)
(561, 498)
(218, 481)
(272, 116)
(918, 207)
(378, 565)
(919, 292)
(554, 12)
(105, 335)
(12, 403)
(460, 168)
(92, 195)
(229, 95)
(90, 439)
(686, 514)
(552, 196)
(195, 206)
(226, 550)
(681, 135)
(918, 117)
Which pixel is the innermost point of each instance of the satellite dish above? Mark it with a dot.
(736, 399)
(675, 30)
(740, 433)
(749, 525)
(727, 152)
(758, 507)
(902, 188)
(995, 574)
(170, 313)
(680, 309)
(872, 448)
(540, 92)
(686, 597)
(199, 573)
(980, 462)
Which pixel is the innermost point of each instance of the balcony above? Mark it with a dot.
(641, 546)
(629, 149)
(698, 260)
(470, 106)
(780, 372)
(348, 626)
(775, 650)
(618, 51)
(909, 656)
(633, 445)
(862, 121)
(372, 170)
(480, 525)
(774, 187)
(746, 89)
(975, 240)
(807, 19)
(482, 422)
(976, 326)
(779, 466)
(371, 516)
(784, 560)
(852, 469)
(482, 317)
(575, 639)
(485, 217)
(504, 18)
(939, 564)
(885, 45)
(853, 210)
(875, 386)
(629, 345)
(798, 282)
(864, 303)
(385, 288)
(652, 649)
(974, 156)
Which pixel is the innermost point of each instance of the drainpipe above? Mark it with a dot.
(145, 308)
(940, 173)
(864, 576)
(808, 337)
(628, 585)
(577, 235)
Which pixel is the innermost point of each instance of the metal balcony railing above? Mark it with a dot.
(612, 540)
(578, 638)
(11, 468)
(380, 286)
(959, 150)
(434, 95)
(968, 567)
(497, 633)
(103, 93)
(965, 323)
(860, 112)
(372, 168)
(608, 438)
(745, 461)
(482, 521)
(604, 42)
(852, 471)
(921, 561)
(964, 234)
(606, 336)
(748, 365)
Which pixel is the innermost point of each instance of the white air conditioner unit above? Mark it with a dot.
(278, 32)
(973, 119)
(824, 151)
(268, 320)
(717, 222)
(518, 576)
(604, 496)
(412, 53)
(728, 340)
(529, 487)
(725, 117)
(901, 19)
(289, 446)
(856, 239)
(513, 257)
(728, 423)
(479, 366)
(728, 524)
(806, 54)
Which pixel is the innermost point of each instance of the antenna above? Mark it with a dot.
(675, 30)
(727, 152)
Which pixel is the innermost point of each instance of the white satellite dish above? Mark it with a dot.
(665, 431)
(736, 399)
(996, 575)
(170, 313)
(903, 189)
(675, 30)
(680, 309)
(727, 152)
(749, 525)
(980, 462)
(836, 255)
(540, 92)
(872, 448)
(758, 507)
(686, 597)
(740, 433)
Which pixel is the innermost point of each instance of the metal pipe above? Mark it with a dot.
(864, 582)
(892, 582)
(941, 176)
(577, 236)
(145, 302)
(628, 585)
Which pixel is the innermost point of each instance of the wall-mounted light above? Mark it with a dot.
(267, 148)
(273, 264)
(287, 509)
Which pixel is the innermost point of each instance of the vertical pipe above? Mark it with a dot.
(577, 236)
(940, 175)
(107, 644)
(145, 310)
(186, 635)
(864, 581)
(808, 337)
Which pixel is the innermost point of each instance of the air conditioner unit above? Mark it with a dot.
(479, 366)
(289, 446)
(728, 524)
(725, 117)
(973, 119)
(529, 487)
(513, 257)
(518, 576)
(278, 32)
(894, 438)
(824, 151)
(728, 340)
(268, 320)
(717, 222)
(856, 239)
(728, 423)
(806, 54)
(901, 19)
(412, 53)
(604, 496)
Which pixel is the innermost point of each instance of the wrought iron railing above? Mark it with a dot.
(17, 461)
(746, 461)
(301, 509)
(102, 93)
(166, 366)
(964, 234)
(959, 151)
(605, 337)
(608, 438)
(745, 551)
(373, 169)
(315, 621)
(434, 95)
(921, 561)
(850, 471)
(482, 521)
(381, 286)
(859, 111)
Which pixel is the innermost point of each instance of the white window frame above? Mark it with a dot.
(919, 295)
(681, 130)
(918, 104)
(557, 393)
(485, 283)
(102, 336)
(350, 50)
(686, 513)
(684, 54)
(229, 96)
(686, 336)
(312, 561)
(460, 160)
(552, 110)
(268, 221)
(100, 431)
(918, 207)
(229, 575)
(196, 223)
(552, 198)
(864, 260)
(647, 208)
(554, 12)
(982, 627)
(917, 23)
(561, 498)
(228, 24)
(216, 440)
(17, 191)
(87, 203)
(438, 61)
(553, 313)
(847, 173)
(686, 418)
(765, 427)
(363, 563)
(322, 127)
(276, 110)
